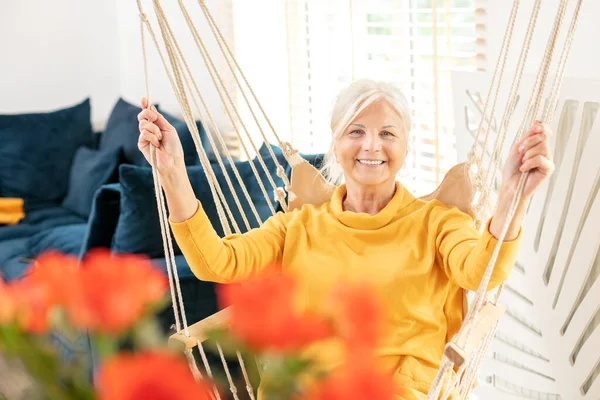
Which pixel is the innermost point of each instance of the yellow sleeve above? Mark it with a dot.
(234, 257)
(465, 252)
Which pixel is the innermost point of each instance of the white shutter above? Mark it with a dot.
(332, 42)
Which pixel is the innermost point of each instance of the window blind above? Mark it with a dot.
(413, 43)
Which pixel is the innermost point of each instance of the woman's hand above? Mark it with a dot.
(156, 131)
(530, 154)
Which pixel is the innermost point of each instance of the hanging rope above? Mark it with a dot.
(228, 102)
(489, 178)
(157, 189)
(533, 108)
(226, 51)
(185, 87)
(180, 92)
(536, 96)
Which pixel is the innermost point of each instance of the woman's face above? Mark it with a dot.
(372, 149)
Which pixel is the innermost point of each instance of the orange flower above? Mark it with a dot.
(114, 290)
(149, 376)
(262, 314)
(48, 285)
(8, 305)
(356, 380)
(360, 318)
(57, 273)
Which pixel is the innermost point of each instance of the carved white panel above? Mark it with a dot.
(548, 343)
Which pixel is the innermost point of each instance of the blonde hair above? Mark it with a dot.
(350, 102)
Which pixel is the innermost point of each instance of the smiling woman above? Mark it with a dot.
(419, 255)
(368, 109)
(371, 151)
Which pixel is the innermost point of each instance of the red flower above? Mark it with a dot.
(114, 291)
(8, 305)
(359, 317)
(48, 285)
(262, 314)
(149, 376)
(57, 273)
(356, 380)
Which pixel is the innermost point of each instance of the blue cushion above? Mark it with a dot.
(66, 239)
(37, 151)
(183, 269)
(122, 132)
(91, 169)
(103, 218)
(138, 229)
(14, 258)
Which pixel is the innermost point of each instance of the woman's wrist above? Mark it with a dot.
(181, 200)
(173, 177)
(506, 194)
(505, 198)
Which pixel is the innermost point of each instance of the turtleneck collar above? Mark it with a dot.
(401, 198)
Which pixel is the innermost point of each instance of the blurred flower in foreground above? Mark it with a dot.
(48, 285)
(149, 376)
(8, 305)
(114, 291)
(360, 324)
(357, 380)
(262, 314)
(359, 318)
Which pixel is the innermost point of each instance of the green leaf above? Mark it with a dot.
(105, 345)
(280, 376)
(147, 334)
(229, 343)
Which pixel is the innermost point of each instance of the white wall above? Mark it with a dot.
(263, 59)
(131, 65)
(53, 54)
(584, 61)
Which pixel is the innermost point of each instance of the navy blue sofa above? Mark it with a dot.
(56, 163)
(85, 190)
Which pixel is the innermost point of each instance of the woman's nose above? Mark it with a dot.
(372, 143)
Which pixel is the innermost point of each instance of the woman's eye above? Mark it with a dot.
(386, 133)
(356, 132)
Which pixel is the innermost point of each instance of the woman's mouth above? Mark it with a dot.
(370, 162)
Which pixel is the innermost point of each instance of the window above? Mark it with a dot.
(332, 42)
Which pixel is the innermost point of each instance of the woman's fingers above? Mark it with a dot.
(148, 137)
(150, 127)
(540, 149)
(152, 115)
(148, 115)
(543, 164)
(537, 128)
(532, 141)
(149, 133)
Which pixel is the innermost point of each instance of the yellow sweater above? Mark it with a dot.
(418, 254)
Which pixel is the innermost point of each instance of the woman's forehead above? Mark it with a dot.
(378, 112)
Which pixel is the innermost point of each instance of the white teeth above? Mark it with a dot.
(371, 162)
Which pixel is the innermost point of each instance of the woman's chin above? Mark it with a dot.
(367, 180)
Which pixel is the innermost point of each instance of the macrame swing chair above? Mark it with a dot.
(468, 186)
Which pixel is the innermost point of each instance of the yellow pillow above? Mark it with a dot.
(11, 210)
